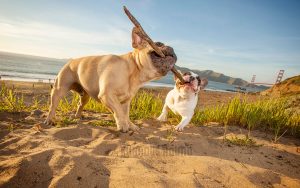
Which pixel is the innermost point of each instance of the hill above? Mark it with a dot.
(219, 77)
(290, 86)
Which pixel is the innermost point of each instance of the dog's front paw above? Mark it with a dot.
(179, 128)
(122, 127)
(49, 122)
(162, 118)
(133, 127)
(122, 130)
(81, 117)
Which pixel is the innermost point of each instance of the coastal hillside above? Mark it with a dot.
(219, 77)
(216, 77)
(290, 86)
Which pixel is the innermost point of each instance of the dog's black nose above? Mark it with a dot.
(192, 78)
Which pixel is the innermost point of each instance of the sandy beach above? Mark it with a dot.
(84, 155)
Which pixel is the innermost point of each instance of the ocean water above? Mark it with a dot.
(28, 68)
(39, 69)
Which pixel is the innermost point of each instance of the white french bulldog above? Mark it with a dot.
(183, 99)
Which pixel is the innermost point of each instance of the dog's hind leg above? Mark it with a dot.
(164, 114)
(84, 99)
(56, 95)
(62, 85)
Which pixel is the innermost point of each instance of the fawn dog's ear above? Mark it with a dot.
(137, 41)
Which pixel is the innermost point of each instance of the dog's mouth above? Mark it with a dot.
(163, 64)
(190, 84)
(187, 87)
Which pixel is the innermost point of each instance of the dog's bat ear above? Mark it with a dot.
(136, 39)
(204, 83)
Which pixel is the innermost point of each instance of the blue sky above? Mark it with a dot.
(235, 37)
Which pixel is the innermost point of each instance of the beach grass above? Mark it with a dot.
(10, 101)
(146, 105)
(103, 123)
(242, 141)
(267, 114)
(65, 121)
(271, 114)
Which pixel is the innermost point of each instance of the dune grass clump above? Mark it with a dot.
(65, 121)
(103, 123)
(96, 106)
(69, 104)
(268, 114)
(10, 101)
(242, 141)
(145, 105)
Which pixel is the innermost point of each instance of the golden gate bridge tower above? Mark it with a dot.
(279, 76)
(278, 79)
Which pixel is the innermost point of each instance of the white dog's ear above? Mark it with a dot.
(137, 41)
(203, 83)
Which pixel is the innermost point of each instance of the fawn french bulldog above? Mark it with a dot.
(112, 79)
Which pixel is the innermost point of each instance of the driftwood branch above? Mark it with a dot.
(178, 75)
(142, 32)
(150, 42)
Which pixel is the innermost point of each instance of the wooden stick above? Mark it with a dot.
(145, 36)
(178, 75)
(152, 44)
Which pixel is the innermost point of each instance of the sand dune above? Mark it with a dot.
(83, 155)
(290, 86)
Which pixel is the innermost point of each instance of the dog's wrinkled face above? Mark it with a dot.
(161, 64)
(193, 83)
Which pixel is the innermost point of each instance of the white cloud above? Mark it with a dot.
(42, 36)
